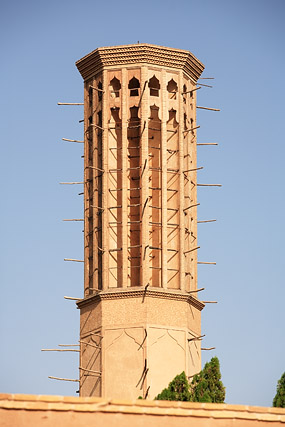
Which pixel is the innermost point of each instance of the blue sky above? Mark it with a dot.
(241, 44)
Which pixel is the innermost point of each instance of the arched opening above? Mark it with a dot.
(134, 86)
(173, 200)
(185, 121)
(100, 92)
(134, 113)
(154, 113)
(184, 93)
(115, 87)
(99, 118)
(172, 117)
(115, 115)
(154, 86)
(155, 205)
(172, 89)
(115, 211)
(134, 198)
(90, 96)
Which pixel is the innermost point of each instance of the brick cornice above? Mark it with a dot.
(144, 53)
(121, 293)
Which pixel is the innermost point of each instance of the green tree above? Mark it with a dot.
(279, 399)
(205, 386)
(178, 389)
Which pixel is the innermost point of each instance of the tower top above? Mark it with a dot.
(140, 53)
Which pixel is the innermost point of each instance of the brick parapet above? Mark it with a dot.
(178, 409)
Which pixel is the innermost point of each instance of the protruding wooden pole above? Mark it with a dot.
(191, 206)
(89, 370)
(204, 85)
(68, 345)
(63, 379)
(194, 169)
(72, 183)
(210, 263)
(74, 219)
(72, 140)
(191, 250)
(70, 103)
(207, 108)
(191, 90)
(96, 88)
(60, 349)
(199, 338)
(209, 185)
(196, 290)
(191, 129)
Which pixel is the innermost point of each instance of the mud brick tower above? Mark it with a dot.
(140, 315)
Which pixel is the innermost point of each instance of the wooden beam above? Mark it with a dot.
(207, 108)
(60, 349)
(72, 140)
(70, 103)
(63, 379)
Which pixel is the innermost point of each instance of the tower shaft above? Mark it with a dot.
(138, 320)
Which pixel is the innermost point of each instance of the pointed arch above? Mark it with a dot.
(90, 96)
(172, 117)
(172, 89)
(100, 92)
(134, 113)
(154, 86)
(134, 86)
(184, 93)
(154, 112)
(115, 115)
(115, 87)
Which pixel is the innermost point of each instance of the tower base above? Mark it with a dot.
(135, 341)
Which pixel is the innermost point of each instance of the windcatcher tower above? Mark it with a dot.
(140, 315)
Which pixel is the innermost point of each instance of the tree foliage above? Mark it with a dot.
(178, 389)
(204, 387)
(279, 399)
(207, 385)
